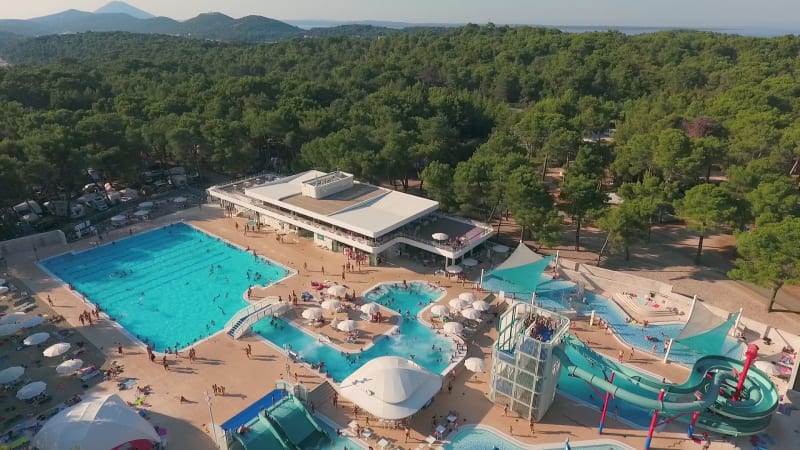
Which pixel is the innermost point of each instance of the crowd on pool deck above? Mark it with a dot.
(542, 328)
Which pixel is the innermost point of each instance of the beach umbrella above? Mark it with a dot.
(470, 262)
(453, 327)
(312, 313)
(468, 296)
(36, 339)
(12, 318)
(457, 304)
(337, 290)
(31, 322)
(11, 374)
(335, 322)
(179, 200)
(370, 308)
(3, 289)
(145, 205)
(500, 248)
(9, 329)
(31, 390)
(470, 314)
(480, 306)
(347, 325)
(767, 367)
(440, 236)
(331, 305)
(69, 366)
(475, 364)
(440, 310)
(56, 349)
(454, 269)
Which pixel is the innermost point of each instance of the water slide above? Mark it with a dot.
(299, 426)
(750, 415)
(263, 435)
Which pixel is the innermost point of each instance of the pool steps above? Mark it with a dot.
(241, 322)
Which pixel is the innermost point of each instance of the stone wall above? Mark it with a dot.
(29, 245)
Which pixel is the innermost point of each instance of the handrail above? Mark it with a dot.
(272, 309)
(250, 309)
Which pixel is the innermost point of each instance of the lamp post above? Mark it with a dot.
(211, 413)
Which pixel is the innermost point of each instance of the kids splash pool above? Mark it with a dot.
(413, 339)
(173, 285)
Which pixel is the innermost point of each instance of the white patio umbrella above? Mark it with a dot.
(370, 308)
(11, 374)
(69, 366)
(31, 322)
(440, 236)
(500, 248)
(142, 213)
(480, 306)
(9, 329)
(12, 318)
(347, 325)
(31, 390)
(334, 323)
(440, 310)
(475, 364)
(453, 327)
(470, 262)
(468, 296)
(56, 349)
(767, 367)
(145, 205)
(457, 304)
(337, 290)
(312, 313)
(454, 269)
(179, 200)
(470, 314)
(331, 305)
(36, 339)
(3, 289)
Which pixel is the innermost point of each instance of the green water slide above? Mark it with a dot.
(298, 425)
(710, 376)
(263, 435)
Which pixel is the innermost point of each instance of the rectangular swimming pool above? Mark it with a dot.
(173, 285)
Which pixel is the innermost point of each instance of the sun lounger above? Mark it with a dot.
(24, 307)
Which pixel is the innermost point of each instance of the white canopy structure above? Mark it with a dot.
(31, 390)
(500, 248)
(337, 290)
(11, 374)
(31, 322)
(145, 205)
(475, 364)
(468, 296)
(440, 310)
(179, 200)
(391, 388)
(370, 308)
(9, 329)
(36, 339)
(347, 325)
(480, 305)
(98, 423)
(12, 318)
(331, 305)
(457, 304)
(454, 269)
(69, 366)
(56, 349)
(312, 313)
(470, 314)
(3, 289)
(453, 327)
(470, 262)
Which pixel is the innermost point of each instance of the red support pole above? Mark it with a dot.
(695, 415)
(653, 423)
(750, 355)
(605, 407)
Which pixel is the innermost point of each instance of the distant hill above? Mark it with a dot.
(117, 7)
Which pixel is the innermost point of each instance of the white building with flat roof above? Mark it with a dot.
(345, 215)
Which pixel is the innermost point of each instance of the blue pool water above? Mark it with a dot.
(160, 285)
(483, 439)
(430, 350)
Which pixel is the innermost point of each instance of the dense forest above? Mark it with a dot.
(478, 114)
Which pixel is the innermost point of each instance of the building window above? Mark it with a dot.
(320, 237)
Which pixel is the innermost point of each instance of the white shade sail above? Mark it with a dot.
(453, 327)
(31, 322)
(440, 310)
(454, 269)
(475, 364)
(470, 314)
(370, 308)
(99, 423)
(337, 290)
(480, 305)
(12, 318)
(9, 329)
(347, 325)
(331, 305)
(457, 304)
(468, 296)
(31, 390)
(56, 349)
(69, 366)
(36, 339)
(470, 262)
(11, 374)
(440, 236)
(312, 313)
(391, 388)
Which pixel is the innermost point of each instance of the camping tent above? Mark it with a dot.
(96, 423)
(390, 387)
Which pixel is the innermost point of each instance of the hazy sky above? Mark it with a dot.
(688, 13)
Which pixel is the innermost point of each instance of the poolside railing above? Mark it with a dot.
(246, 311)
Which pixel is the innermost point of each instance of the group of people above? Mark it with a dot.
(542, 326)
(89, 316)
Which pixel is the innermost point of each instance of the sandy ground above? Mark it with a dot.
(222, 361)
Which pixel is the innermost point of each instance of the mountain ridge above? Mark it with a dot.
(118, 7)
